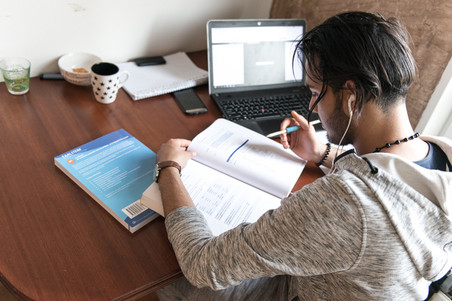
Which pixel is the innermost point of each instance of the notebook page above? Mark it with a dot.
(178, 73)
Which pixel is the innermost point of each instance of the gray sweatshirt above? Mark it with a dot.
(377, 229)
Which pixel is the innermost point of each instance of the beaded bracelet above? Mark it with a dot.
(328, 148)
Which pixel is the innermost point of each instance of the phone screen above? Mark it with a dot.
(189, 102)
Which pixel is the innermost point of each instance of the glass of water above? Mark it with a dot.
(16, 73)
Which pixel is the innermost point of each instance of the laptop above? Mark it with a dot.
(254, 77)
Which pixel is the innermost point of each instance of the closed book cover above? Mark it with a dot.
(114, 170)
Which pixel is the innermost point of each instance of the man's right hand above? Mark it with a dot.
(303, 142)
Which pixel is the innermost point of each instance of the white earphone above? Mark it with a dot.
(341, 147)
(350, 100)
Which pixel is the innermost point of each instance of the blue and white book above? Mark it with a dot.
(114, 170)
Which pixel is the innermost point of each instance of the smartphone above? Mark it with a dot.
(148, 61)
(189, 102)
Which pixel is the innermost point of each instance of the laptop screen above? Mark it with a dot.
(249, 55)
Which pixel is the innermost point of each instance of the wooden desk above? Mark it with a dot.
(56, 242)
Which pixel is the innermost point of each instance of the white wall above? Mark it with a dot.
(115, 30)
(437, 116)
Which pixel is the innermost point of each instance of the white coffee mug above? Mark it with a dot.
(106, 80)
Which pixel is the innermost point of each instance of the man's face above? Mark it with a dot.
(331, 112)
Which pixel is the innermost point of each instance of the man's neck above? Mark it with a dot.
(375, 128)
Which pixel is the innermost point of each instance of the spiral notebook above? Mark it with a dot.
(178, 73)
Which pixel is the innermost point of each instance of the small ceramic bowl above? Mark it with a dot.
(76, 67)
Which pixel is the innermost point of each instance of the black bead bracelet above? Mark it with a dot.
(328, 148)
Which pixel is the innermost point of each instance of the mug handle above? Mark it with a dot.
(126, 74)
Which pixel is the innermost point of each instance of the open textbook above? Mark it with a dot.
(237, 175)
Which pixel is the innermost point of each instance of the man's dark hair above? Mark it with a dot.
(366, 48)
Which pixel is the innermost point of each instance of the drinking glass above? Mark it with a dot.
(16, 73)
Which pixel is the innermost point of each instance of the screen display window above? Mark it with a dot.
(255, 56)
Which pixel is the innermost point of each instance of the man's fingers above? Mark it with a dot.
(302, 122)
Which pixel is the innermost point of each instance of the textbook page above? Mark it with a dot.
(224, 201)
(248, 156)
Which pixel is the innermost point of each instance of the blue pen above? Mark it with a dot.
(289, 129)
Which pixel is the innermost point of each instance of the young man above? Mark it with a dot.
(377, 227)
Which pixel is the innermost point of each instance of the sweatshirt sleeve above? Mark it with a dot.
(315, 231)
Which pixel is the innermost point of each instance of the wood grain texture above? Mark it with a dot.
(428, 23)
(57, 242)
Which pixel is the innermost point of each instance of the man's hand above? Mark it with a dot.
(303, 142)
(175, 150)
(174, 194)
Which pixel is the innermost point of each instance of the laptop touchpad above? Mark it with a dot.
(270, 125)
(251, 124)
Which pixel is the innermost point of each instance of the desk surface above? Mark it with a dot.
(57, 242)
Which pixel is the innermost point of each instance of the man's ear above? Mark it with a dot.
(349, 98)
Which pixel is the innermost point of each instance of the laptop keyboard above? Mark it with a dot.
(258, 107)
